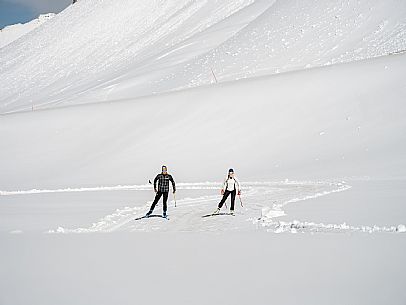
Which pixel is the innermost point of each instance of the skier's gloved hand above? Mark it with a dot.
(239, 193)
(222, 192)
(155, 191)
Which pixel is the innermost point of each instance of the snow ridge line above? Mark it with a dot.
(146, 187)
(268, 214)
(135, 187)
(341, 188)
(296, 226)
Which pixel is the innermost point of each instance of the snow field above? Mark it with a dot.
(14, 32)
(107, 50)
(336, 115)
(263, 202)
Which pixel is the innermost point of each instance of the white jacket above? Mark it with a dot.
(231, 184)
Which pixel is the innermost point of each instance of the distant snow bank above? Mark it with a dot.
(13, 32)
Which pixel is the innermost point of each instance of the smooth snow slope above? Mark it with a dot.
(333, 122)
(201, 269)
(13, 32)
(108, 50)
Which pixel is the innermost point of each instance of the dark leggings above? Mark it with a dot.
(225, 196)
(157, 197)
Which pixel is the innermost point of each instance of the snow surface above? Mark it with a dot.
(13, 32)
(269, 128)
(170, 268)
(108, 50)
(72, 170)
(320, 150)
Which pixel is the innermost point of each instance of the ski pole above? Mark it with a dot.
(239, 196)
(174, 197)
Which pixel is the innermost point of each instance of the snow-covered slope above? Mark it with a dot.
(13, 32)
(318, 150)
(332, 122)
(108, 50)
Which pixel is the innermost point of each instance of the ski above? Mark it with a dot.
(217, 214)
(154, 215)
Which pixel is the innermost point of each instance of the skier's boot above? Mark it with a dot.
(149, 213)
(216, 211)
(232, 212)
(164, 215)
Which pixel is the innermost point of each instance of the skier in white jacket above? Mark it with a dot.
(232, 187)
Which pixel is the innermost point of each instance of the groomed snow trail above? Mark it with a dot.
(263, 204)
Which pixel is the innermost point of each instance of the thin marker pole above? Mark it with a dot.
(215, 78)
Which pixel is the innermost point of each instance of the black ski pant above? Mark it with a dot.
(225, 196)
(157, 197)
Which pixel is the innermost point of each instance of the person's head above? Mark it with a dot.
(164, 169)
(230, 172)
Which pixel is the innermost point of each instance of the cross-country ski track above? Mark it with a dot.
(261, 209)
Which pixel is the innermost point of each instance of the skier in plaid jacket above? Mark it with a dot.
(161, 188)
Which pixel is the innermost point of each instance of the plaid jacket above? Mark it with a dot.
(163, 182)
